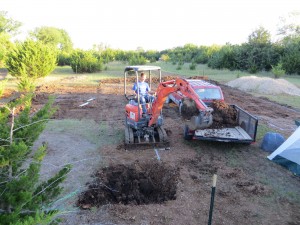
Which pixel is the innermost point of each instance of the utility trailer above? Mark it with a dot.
(244, 132)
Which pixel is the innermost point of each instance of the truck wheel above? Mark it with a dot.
(186, 134)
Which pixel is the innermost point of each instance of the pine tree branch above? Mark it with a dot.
(12, 126)
(3, 192)
(1, 139)
(27, 125)
(13, 178)
(11, 141)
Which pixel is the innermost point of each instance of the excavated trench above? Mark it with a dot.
(135, 184)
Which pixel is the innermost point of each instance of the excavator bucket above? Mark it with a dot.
(137, 140)
(194, 118)
(188, 108)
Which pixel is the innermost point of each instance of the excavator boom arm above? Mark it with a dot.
(165, 88)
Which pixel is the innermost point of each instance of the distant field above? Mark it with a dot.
(66, 76)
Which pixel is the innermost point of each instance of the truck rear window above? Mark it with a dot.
(208, 93)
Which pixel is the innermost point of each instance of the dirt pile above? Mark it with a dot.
(138, 183)
(264, 85)
(223, 115)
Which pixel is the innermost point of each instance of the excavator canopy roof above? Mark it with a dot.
(141, 68)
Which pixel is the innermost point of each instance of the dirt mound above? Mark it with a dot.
(223, 115)
(138, 183)
(264, 85)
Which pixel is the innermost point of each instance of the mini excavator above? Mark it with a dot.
(147, 129)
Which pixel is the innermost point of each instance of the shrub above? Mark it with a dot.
(137, 60)
(5, 47)
(291, 57)
(193, 66)
(31, 60)
(2, 86)
(165, 57)
(85, 62)
(64, 59)
(278, 71)
(26, 84)
(178, 67)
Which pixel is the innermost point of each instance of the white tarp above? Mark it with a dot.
(290, 149)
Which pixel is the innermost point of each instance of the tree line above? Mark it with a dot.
(258, 54)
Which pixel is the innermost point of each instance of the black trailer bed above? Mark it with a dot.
(245, 132)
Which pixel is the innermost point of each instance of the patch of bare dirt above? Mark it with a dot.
(250, 189)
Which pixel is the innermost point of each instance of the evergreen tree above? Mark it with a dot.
(29, 61)
(23, 199)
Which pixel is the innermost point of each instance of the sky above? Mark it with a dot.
(151, 25)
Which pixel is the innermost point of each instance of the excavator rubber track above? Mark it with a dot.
(132, 142)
